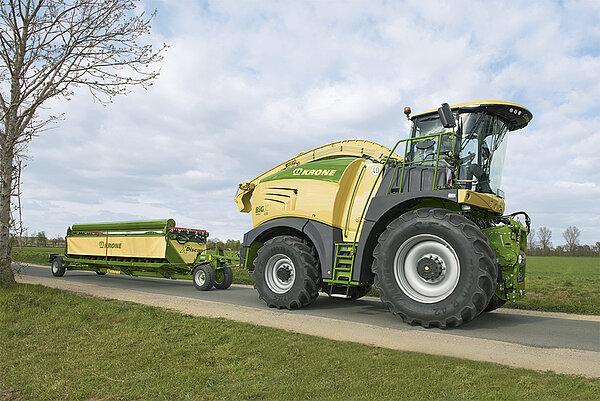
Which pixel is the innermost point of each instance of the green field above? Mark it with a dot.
(554, 284)
(58, 345)
(562, 284)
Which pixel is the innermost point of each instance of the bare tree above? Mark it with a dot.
(47, 49)
(545, 236)
(571, 235)
(531, 241)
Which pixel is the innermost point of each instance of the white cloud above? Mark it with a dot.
(246, 85)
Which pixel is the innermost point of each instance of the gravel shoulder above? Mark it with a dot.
(564, 361)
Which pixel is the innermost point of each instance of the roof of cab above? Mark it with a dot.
(518, 116)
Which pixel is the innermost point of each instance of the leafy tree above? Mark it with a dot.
(48, 48)
(571, 236)
(42, 239)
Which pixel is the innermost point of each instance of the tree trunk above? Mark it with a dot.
(7, 276)
(8, 141)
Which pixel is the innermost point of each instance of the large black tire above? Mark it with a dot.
(223, 278)
(287, 273)
(435, 268)
(203, 277)
(494, 304)
(58, 270)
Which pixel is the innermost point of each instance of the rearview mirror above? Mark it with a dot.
(446, 116)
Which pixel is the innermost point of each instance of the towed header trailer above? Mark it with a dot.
(151, 248)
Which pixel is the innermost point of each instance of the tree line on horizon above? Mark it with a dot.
(539, 243)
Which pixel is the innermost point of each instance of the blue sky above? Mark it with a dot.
(246, 85)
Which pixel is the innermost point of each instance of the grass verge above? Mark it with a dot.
(562, 284)
(554, 284)
(58, 345)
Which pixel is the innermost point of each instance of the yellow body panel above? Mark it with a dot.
(188, 251)
(120, 246)
(489, 202)
(356, 148)
(475, 103)
(327, 202)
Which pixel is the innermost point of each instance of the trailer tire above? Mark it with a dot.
(223, 278)
(203, 277)
(58, 270)
(434, 267)
(287, 273)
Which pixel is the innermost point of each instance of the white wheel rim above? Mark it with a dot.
(54, 267)
(200, 277)
(280, 273)
(422, 249)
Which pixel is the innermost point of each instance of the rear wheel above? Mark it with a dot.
(223, 278)
(434, 268)
(203, 277)
(287, 273)
(58, 270)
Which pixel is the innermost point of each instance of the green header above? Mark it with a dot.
(125, 226)
(323, 170)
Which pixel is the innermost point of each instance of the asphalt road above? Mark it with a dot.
(533, 330)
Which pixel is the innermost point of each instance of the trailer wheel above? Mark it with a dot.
(203, 277)
(287, 273)
(58, 270)
(223, 278)
(434, 267)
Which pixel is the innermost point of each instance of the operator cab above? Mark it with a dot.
(472, 147)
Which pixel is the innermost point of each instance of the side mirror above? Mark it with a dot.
(446, 116)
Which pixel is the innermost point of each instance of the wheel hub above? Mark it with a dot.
(430, 268)
(426, 268)
(280, 273)
(284, 273)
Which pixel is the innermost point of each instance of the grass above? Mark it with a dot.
(58, 345)
(554, 284)
(562, 284)
(34, 254)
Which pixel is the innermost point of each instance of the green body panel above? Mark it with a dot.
(161, 225)
(324, 170)
(251, 254)
(508, 241)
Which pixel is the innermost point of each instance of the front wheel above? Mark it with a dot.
(494, 304)
(58, 270)
(287, 273)
(203, 277)
(434, 268)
